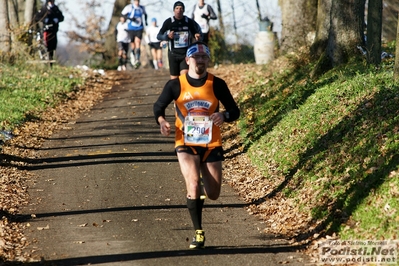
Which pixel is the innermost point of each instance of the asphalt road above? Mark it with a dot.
(110, 192)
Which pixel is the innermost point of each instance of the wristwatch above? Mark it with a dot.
(226, 116)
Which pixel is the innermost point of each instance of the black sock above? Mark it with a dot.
(195, 209)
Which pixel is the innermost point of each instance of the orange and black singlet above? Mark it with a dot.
(193, 108)
(195, 100)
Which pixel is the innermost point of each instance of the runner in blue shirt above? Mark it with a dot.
(134, 14)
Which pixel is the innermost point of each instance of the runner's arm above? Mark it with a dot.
(169, 93)
(223, 93)
(145, 16)
(212, 14)
(163, 32)
(195, 29)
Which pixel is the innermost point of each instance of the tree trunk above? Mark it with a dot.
(396, 68)
(322, 28)
(5, 40)
(298, 19)
(13, 13)
(14, 22)
(344, 35)
(374, 31)
(344, 24)
(29, 11)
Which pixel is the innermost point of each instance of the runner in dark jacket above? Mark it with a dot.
(179, 31)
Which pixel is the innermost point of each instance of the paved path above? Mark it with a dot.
(110, 193)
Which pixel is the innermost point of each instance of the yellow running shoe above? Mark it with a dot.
(198, 239)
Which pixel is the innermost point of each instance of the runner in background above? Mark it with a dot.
(134, 13)
(154, 43)
(179, 31)
(123, 40)
(202, 13)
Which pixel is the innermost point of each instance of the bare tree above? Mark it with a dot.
(220, 17)
(234, 21)
(89, 34)
(258, 8)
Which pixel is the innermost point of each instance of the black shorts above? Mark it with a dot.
(135, 33)
(176, 63)
(124, 46)
(155, 45)
(207, 155)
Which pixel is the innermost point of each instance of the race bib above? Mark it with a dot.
(197, 130)
(180, 39)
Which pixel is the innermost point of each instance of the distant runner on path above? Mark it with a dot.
(179, 31)
(198, 140)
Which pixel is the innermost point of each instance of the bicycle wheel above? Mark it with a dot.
(42, 52)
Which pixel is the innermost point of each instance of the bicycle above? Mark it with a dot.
(39, 46)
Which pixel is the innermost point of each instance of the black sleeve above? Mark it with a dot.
(223, 93)
(169, 93)
(162, 34)
(212, 14)
(59, 15)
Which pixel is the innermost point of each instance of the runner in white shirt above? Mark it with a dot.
(123, 40)
(202, 13)
(154, 43)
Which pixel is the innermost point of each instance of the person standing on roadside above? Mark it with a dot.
(134, 14)
(179, 31)
(155, 44)
(198, 122)
(202, 13)
(123, 40)
(50, 15)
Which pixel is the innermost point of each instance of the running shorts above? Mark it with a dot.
(207, 155)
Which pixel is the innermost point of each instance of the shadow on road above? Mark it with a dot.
(209, 250)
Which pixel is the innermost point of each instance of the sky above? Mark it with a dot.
(245, 13)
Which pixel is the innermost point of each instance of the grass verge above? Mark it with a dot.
(26, 89)
(332, 143)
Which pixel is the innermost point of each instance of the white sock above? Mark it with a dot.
(155, 62)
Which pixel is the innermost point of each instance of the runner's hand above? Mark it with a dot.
(217, 118)
(165, 128)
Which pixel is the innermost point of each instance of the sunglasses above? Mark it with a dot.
(198, 57)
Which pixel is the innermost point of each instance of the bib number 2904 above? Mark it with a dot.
(197, 130)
